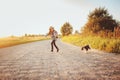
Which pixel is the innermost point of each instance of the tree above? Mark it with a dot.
(77, 32)
(66, 29)
(99, 20)
(26, 35)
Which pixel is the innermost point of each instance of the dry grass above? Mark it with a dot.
(105, 44)
(11, 41)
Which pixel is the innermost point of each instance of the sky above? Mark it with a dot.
(19, 17)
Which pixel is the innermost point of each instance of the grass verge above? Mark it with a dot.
(11, 41)
(106, 44)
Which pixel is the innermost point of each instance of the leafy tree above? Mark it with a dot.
(66, 29)
(99, 21)
(77, 32)
(26, 35)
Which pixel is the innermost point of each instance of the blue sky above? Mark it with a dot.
(18, 17)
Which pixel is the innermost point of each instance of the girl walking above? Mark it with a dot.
(54, 35)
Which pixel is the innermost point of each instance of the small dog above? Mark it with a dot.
(86, 47)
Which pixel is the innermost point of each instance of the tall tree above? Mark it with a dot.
(66, 29)
(99, 20)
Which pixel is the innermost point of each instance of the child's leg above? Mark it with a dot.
(52, 45)
(55, 45)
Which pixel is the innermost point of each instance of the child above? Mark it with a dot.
(54, 35)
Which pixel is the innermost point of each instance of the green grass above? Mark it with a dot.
(105, 44)
(11, 41)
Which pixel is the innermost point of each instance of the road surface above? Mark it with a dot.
(34, 61)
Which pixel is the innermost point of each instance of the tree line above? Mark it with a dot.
(99, 23)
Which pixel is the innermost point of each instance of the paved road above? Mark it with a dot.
(34, 61)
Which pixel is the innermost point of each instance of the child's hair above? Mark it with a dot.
(51, 29)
